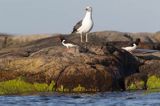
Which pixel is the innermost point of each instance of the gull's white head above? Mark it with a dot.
(88, 9)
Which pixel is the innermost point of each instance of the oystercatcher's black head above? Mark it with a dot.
(138, 40)
(61, 38)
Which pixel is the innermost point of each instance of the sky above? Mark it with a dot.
(59, 16)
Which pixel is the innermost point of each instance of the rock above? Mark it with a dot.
(151, 63)
(149, 72)
(97, 66)
(136, 81)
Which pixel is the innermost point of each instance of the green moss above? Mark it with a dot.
(51, 87)
(62, 89)
(18, 86)
(79, 88)
(40, 87)
(15, 87)
(140, 84)
(153, 82)
(132, 86)
(136, 85)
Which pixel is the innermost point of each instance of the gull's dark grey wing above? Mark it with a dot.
(77, 26)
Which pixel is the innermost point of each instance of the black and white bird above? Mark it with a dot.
(85, 25)
(68, 44)
(133, 47)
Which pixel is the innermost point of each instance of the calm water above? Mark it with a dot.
(139, 98)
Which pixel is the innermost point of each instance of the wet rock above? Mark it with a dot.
(93, 66)
(149, 72)
(136, 82)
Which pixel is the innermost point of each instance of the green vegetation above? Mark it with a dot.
(132, 86)
(141, 84)
(51, 87)
(19, 86)
(41, 87)
(136, 85)
(79, 88)
(62, 89)
(153, 82)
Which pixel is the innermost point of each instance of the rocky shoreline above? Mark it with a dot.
(43, 64)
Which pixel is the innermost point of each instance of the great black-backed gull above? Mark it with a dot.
(133, 47)
(85, 25)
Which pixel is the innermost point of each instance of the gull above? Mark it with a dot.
(85, 25)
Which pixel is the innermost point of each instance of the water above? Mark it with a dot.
(139, 98)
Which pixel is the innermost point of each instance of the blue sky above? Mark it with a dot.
(59, 16)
